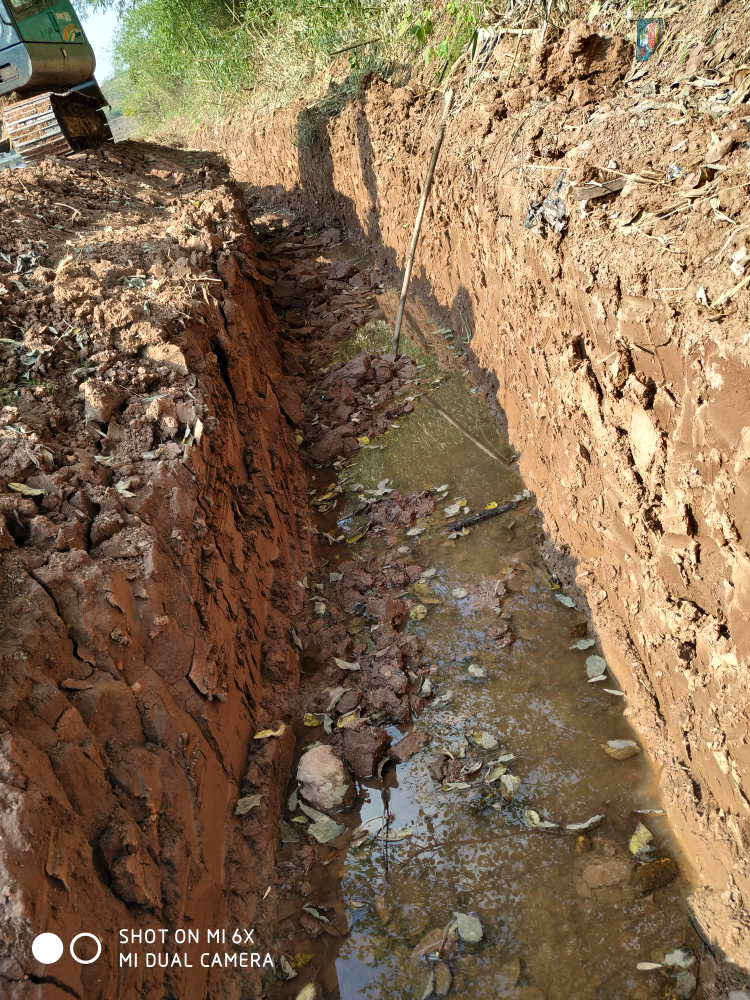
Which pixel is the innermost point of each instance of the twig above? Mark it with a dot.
(508, 463)
(386, 794)
(357, 45)
(75, 211)
(420, 215)
(508, 148)
(726, 296)
(634, 177)
(518, 43)
(481, 516)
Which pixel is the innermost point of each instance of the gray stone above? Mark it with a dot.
(324, 781)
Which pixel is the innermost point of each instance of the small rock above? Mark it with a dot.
(443, 979)
(101, 399)
(609, 873)
(363, 747)
(719, 150)
(409, 745)
(652, 876)
(349, 701)
(469, 928)
(500, 632)
(324, 781)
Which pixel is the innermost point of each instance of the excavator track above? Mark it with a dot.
(55, 125)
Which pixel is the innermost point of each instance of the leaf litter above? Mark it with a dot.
(596, 667)
(245, 804)
(323, 828)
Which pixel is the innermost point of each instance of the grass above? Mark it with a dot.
(196, 60)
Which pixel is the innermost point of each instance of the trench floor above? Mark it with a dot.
(564, 915)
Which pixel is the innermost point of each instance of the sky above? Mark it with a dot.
(100, 29)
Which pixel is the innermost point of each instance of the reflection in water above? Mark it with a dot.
(561, 905)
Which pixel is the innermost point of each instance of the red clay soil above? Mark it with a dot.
(617, 353)
(153, 528)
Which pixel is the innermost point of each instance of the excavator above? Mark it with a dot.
(47, 61)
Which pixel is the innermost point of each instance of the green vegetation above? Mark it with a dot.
(192, 61)
(186, 63)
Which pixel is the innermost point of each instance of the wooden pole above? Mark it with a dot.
(420, 213)
(508, 463)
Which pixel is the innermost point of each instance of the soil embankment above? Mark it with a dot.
(152, 537)
(613, 320)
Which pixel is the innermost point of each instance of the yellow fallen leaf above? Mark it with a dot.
(640, 838)
(27, 491)
(346, 720)
(265, 733)
(355, 538)
(418, 612)
(491, 506)
(301, 958)
(311, 720)
(298, 438)
(364, 439)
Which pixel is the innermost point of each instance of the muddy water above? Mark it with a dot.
(549, 930)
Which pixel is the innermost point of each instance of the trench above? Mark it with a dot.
(207, 625)
(515, 729)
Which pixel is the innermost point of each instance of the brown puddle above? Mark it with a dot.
(563, 915)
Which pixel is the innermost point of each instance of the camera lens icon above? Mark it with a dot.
(47, 948)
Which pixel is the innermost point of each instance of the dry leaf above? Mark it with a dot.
(509, 783)
(482, 739)
(596, 666)
(567, 601)
(343, 665)
(640, 838)
(346, 720)
(265, 733)
(245, 804)
(589, 824)
(27, 491)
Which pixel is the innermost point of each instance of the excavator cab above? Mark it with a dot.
(45, 56)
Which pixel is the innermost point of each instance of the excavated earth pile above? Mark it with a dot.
(152, 537)
(586, 236)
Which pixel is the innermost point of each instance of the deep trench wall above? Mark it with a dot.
(630, 412)
(144, 635)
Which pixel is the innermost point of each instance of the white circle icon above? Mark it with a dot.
(83, 934)
(47, 948)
